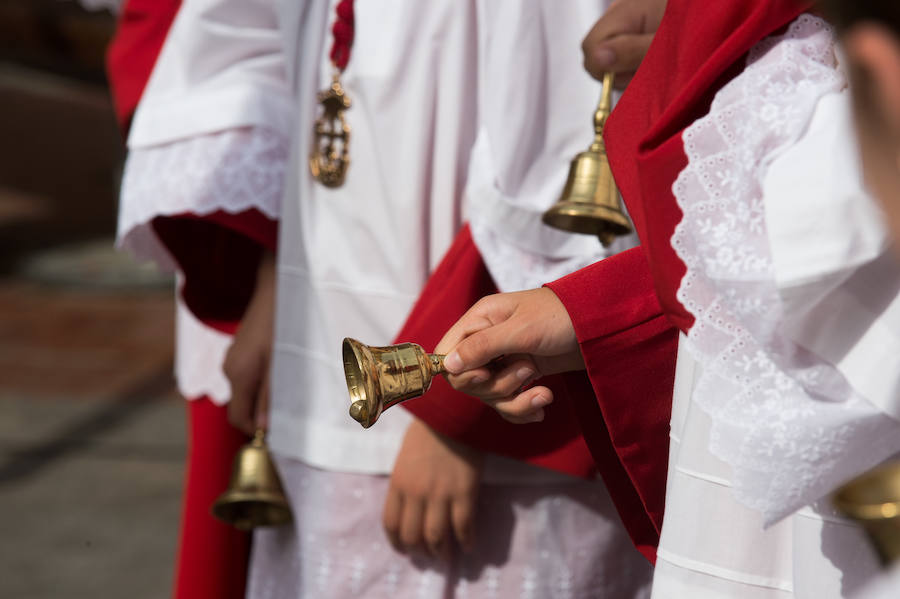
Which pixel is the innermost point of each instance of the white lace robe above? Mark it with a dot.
(787, 381)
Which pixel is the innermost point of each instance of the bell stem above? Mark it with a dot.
(603, 110)
(437, 363)
(259, 437)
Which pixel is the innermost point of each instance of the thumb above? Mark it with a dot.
(482, 347)
(621, 54)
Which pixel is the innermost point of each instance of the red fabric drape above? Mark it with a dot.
(699, 47)
(212, 556)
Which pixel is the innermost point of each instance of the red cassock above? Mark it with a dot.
(218, 254)
(624, 308)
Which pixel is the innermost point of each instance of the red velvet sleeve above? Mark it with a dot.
(629, 349)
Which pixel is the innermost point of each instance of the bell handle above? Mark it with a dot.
(604, 108)
(259, 437)
(437, 363)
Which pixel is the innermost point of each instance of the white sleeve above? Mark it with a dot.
(233, 170)
(222, 66)
(211, 130)
(789, 280)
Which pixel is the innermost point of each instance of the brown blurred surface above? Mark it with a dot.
(55, 341)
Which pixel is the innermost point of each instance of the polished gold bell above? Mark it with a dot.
(254, 496)
(590, 200)
(380, 377)
(873, 500)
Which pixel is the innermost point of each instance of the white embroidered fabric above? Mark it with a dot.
(787, 423)
(199, 356)
(233, 170)
(560, 541)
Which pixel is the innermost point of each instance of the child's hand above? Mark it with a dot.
(431, 499)
(248, 359)
(506, 341)
(619, 40)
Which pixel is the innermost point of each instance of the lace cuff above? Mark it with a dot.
(785, 419)
(231, 171)
(199, 356)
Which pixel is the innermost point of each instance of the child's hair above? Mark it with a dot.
(844, 14)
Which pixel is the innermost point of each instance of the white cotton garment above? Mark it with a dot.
(764, 427)
(199, 354)
(353, 259)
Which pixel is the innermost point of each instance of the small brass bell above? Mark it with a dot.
(380, 377)
(590, 200)
(873, 500)
(254, 496)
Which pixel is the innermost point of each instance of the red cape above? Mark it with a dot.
(624, 308)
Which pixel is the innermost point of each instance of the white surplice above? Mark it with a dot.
(786, 385)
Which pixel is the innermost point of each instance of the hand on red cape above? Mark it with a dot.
(504, 342)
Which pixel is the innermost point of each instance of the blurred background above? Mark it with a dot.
(91, 431)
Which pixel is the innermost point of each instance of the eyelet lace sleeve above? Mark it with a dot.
(785, 420)
(233, 170)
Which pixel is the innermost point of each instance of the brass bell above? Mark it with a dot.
(590, 200)
(254, 496)
(873, 500)
(380, 377)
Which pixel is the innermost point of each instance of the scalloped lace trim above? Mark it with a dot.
(788, 424)
(233, 170)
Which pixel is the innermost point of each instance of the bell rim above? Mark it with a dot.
(589, 221)
(277, 504)
(358, 349)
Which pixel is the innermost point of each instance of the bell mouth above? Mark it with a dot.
(248, 510)
(588, 219)
(363, 406)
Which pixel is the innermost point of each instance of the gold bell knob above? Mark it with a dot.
(873, 500)
(590, 200)
(380, 377)
(254, 496)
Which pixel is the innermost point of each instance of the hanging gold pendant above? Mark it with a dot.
(330, 155)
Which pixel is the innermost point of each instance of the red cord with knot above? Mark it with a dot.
(342, 30)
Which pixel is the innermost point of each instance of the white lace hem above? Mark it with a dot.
(199, 356)
(787, 422)
(234, 171)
